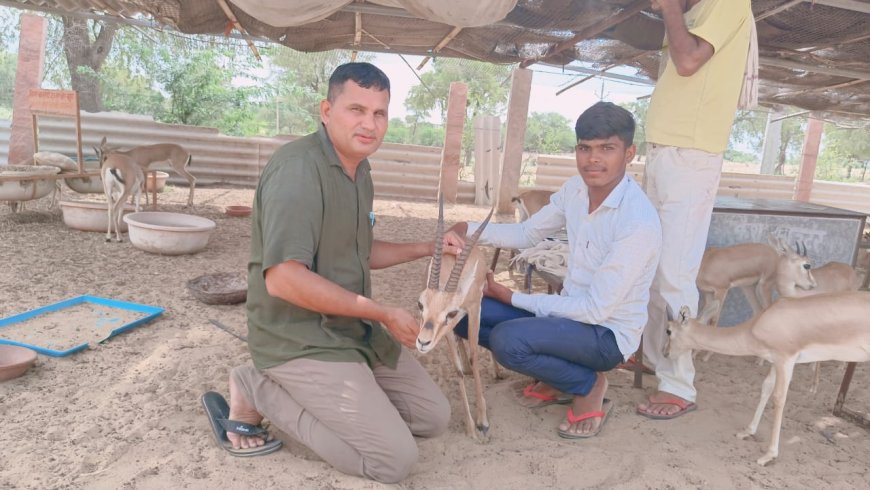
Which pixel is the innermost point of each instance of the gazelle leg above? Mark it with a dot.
(766, 390)
(469, 421)
(817, 374)
(191, 180)
(480, 401)
(784, 371)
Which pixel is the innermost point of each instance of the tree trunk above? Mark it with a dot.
(85, 58)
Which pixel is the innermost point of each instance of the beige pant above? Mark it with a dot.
(360, 420)
(682, 185)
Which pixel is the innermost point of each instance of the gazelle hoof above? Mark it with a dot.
(766, 459)
(744, 435)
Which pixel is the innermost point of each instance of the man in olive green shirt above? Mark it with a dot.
(329, 367)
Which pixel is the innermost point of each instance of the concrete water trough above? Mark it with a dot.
(21, 182)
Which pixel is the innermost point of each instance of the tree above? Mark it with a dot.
(548, 132)
(638, 108)
(747, 137)
(487, 94)
(301, 84)
(86, 44)
(843, 148)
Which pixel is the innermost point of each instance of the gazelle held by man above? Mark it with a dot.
(175, 155)
(825, 327)
(445, 301)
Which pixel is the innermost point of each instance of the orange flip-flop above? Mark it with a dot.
(606, 407)
(545, 400)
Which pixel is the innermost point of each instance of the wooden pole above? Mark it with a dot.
(28, 75)
(512, 157)
(450, 154)
(804, 183)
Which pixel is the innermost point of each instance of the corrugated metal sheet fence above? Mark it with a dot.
(399, 171)
(552, 171)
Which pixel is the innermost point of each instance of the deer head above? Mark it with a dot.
(680, 329)
(442, 306)
(794, 268)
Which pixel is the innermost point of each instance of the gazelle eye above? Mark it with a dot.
(807, 266)
(668, 331)
(451, 315)
(419, 306)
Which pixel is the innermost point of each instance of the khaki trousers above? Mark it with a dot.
(360, 420)
(682, 185)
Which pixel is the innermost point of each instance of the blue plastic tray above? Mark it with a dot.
(152, 311)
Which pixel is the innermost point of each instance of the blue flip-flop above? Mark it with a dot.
(218, 412)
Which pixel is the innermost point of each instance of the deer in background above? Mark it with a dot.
(829, 278)
(824, 327)
(527, 204)
(177, 157)
(122, 178)
(750, 266)
(445, 301)
(530, 202)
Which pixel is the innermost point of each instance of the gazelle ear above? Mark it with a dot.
(670, 313)
(684, 314)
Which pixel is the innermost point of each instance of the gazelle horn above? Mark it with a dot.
(453, 281)
(435, 265)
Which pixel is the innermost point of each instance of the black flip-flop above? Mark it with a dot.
(218, 411)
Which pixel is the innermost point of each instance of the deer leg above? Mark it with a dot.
(817, 373)
(191, 180)
(469, 421)
(496, 368)
(784, 371)
(107, 189)
(766, 390)
(719, 297)
(473, 335)
(463, 364)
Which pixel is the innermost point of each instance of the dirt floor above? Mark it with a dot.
(126, 413)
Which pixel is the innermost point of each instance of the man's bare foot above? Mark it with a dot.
(242, 411)
(592, 402)
(663, 405)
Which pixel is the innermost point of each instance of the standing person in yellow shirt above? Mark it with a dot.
(688, 124)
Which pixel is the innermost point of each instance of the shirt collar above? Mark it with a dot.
(331, 155)
(614, 199)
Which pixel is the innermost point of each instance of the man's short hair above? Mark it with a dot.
(366, 75)
(603, 120)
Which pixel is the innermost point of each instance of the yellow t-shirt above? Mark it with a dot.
(697, 111)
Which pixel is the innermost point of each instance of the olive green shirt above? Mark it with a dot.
(307, 209)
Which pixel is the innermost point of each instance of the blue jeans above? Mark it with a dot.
(562, 353)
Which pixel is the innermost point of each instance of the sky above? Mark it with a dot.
(546, 81)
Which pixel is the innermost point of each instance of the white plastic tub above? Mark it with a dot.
(169, 233)
(89, 216)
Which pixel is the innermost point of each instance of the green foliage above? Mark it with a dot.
(300, 84)
(487, 88)
(843, 150)
(548, 132)
(412, 132)
(638, 108)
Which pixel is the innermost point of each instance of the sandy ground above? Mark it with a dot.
(126, 414)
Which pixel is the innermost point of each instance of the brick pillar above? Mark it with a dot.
(28, 75)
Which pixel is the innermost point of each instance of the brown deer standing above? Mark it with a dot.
(177, 157)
